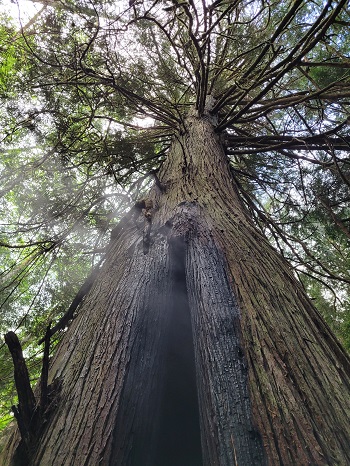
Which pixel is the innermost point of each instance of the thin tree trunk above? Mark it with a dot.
(273, 384)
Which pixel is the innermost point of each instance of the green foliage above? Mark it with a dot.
(334, 305)
(324, 76)
(14, 62)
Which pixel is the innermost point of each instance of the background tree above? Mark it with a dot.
(272, 80)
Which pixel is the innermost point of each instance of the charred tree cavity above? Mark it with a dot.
(158, 418)
(136, 426)
(179, 442)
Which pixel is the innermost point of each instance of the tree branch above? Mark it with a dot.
(26, 399)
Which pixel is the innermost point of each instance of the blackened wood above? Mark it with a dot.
(228, 431)
(179, 439)
(136, 427)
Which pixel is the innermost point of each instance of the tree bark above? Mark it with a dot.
(272, 382)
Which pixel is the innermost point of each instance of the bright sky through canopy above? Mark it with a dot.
(21, 11)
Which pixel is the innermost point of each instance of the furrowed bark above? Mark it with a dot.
(229, 435)
(272, 382)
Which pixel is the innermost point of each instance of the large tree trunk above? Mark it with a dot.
(196, 344)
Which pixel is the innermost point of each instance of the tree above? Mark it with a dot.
(194, 319)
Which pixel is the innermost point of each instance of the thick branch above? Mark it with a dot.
(267, 143)
(26, 398)
(45, 371)
(333, 64)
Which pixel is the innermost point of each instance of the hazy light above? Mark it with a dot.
(21, 11)
(146, 122)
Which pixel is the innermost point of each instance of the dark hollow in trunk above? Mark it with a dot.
(159, 422)
(179, 442)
